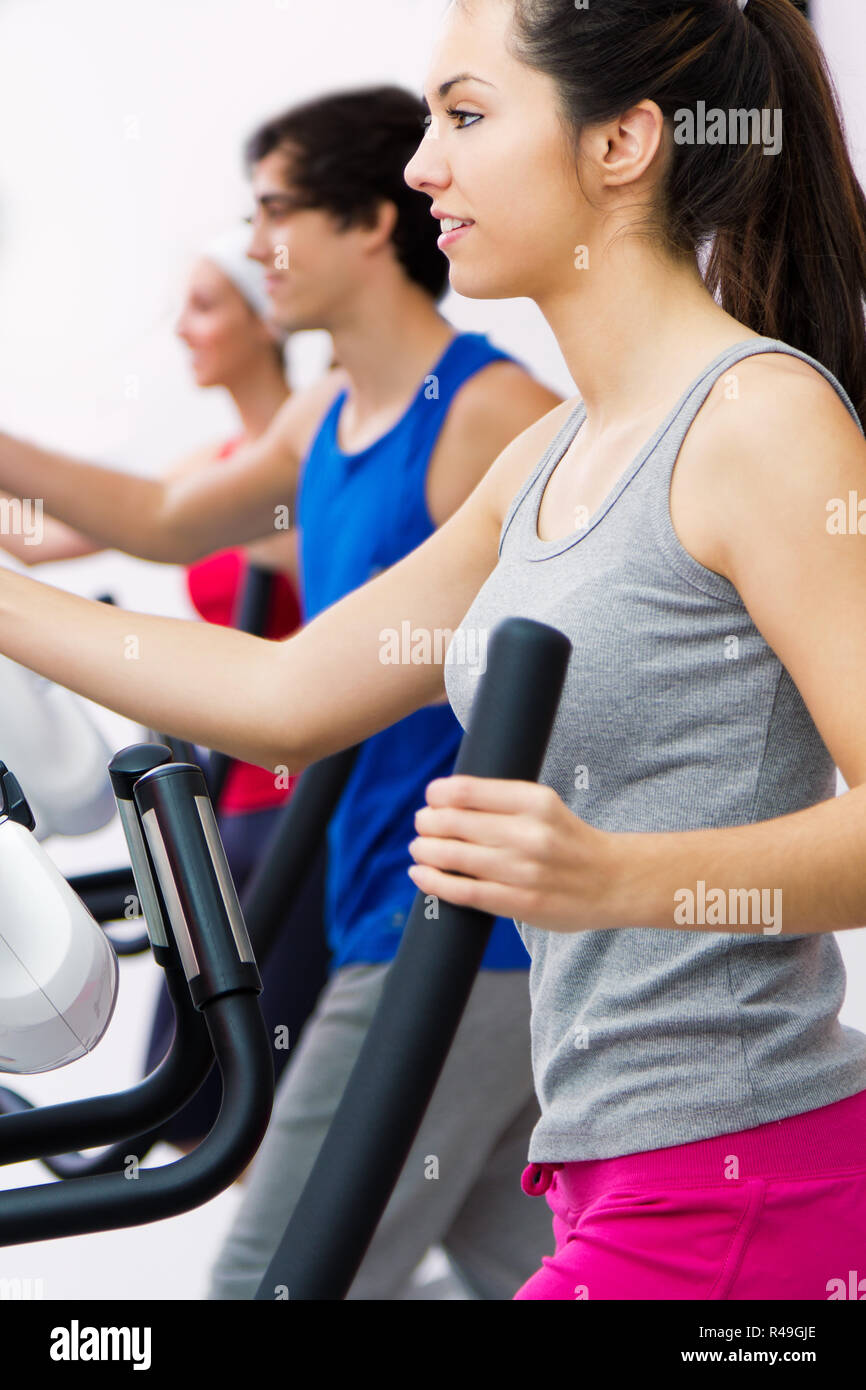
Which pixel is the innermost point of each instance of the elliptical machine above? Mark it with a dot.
(192, 909)
(58, 980)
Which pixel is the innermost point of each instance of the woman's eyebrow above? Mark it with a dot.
(445, 87)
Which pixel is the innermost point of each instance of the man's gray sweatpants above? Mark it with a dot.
(460, 1186)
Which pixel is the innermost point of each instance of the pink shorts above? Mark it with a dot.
(775, 1212)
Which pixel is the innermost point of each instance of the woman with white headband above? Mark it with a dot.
(223, 322)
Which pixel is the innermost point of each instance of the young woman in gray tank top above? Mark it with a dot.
(694, 524)
(679, 872)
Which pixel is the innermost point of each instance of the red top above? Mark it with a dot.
(213, 585)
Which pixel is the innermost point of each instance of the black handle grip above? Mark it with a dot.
(423, 999)
(184, 842)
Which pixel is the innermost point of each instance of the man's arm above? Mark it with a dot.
(278, 553)
(490, 410)
(275, 704)
(57, 541)
(175, 519)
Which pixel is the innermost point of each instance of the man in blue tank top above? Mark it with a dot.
(389, 446)
(368, 894)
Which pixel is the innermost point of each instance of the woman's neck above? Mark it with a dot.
(257, 398)
(635, 333)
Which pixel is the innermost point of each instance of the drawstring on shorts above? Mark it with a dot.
(537, 1177)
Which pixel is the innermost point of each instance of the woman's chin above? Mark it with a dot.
(475, 283)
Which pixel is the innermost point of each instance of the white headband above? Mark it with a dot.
(229, 252)
(741, 4)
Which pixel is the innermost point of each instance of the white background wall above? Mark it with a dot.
(122, 126)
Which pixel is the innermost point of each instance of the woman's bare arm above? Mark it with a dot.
(54, 541)
(274, 704)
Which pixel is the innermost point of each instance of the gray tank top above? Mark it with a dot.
(675, 715)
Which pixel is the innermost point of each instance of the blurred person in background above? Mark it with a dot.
(232, 344)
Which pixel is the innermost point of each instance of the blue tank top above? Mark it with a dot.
(358, 514)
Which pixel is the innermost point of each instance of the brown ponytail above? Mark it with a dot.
(785, 233)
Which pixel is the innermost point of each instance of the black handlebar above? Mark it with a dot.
(145, 1109)
(423, 999)
(197, 911)
(53, 1133)
(297, 837)
(192, 883)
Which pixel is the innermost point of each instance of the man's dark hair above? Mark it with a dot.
(346, 153)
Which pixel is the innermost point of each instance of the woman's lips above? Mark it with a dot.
(448, 238)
